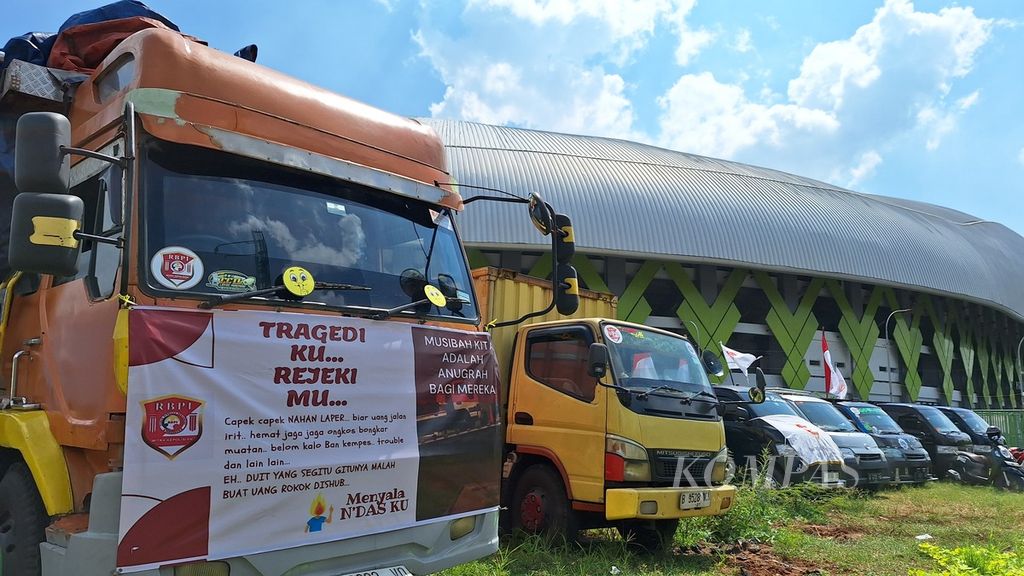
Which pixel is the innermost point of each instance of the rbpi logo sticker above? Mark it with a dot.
(172, 424)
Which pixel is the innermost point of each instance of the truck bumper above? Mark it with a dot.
(663, 503)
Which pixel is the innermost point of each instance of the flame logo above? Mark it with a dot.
(318, 506)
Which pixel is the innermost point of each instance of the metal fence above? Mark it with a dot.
(1011, 422)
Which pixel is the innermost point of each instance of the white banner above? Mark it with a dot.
(257, 431)
(812, 444)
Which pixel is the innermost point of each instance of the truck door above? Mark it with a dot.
(555, 406)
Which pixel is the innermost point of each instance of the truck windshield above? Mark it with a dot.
(876, 419)
(825, 416)
(220, 224)
(645, 359)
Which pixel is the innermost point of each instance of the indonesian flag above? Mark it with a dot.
(737, 360)
(834, 382)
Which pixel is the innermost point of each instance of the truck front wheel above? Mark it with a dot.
(540, 505)
(650, 535)
(22, 522)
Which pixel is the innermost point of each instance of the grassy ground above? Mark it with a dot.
(790, 532)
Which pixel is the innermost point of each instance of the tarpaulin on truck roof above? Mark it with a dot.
(36, 47)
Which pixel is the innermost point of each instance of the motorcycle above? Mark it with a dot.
(997, 467)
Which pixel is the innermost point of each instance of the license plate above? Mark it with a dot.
(830, 477)
(691, 500)
(392, 571)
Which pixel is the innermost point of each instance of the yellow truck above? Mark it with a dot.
(608, 423)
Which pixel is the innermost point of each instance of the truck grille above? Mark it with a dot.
(870, 457)
(916, 456)
(664, 467)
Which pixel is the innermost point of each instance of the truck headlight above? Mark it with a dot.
(981, 449)
(625, 460)
(720, 466)
(947, 449)
(848, 453)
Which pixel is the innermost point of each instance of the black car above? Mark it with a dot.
(775, 428)
(905, 453)
(939, 435)
(974, 426)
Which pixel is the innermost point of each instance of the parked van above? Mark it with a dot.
(865, 465)
(974, 426)
(802, 452)
(906, 455)
(939, 435)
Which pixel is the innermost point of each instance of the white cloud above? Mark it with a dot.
(691, 41)
(865, 168)
(702, 115)
(851, 99)
(742, 43)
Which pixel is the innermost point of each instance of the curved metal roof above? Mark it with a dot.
(627, 198)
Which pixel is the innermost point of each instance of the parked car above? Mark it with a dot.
(865, 465)
(939, 435)
(906, 455)
(802, 452)
(974, 426)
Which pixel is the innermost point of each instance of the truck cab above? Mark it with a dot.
(611, 424)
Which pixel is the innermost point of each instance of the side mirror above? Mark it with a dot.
(597, 360)
(39, 163)
(43, 233)
(757, 392)
(540, 214)
(448, 287)
(733, 412)
(711, 363)
(565, 240)
(567, 290)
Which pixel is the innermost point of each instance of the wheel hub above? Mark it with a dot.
(531, 511)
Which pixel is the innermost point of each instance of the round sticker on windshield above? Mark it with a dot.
(176, 267)
(613, 334)
(298, 281)
(434, 295)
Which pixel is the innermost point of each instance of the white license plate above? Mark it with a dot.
(830, 477)
(392, 571)
(690, 500)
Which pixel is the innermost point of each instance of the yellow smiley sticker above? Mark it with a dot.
(434, 295)
(298, 281)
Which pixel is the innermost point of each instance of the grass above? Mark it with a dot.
(799, 529)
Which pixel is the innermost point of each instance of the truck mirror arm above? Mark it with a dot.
(121, 161)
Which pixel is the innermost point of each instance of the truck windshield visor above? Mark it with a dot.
(217, 224)
(645, 359)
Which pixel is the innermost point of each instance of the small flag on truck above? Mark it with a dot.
(738, 360)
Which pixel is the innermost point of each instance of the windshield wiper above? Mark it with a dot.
(684, 399)
(225, 298)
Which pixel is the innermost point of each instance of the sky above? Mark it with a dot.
(919, 100)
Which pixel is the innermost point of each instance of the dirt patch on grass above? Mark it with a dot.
(752, 559)
(841, 533)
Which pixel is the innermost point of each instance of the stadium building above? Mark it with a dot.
(918, 302)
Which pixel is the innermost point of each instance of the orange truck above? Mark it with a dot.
(240, 331)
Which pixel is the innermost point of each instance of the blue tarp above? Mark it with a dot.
(34, 47)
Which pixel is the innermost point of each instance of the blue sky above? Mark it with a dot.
(917, 100)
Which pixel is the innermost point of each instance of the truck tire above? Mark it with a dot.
(540, 505)
(649, 535)
(22, 522)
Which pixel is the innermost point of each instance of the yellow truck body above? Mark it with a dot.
(565, 425)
